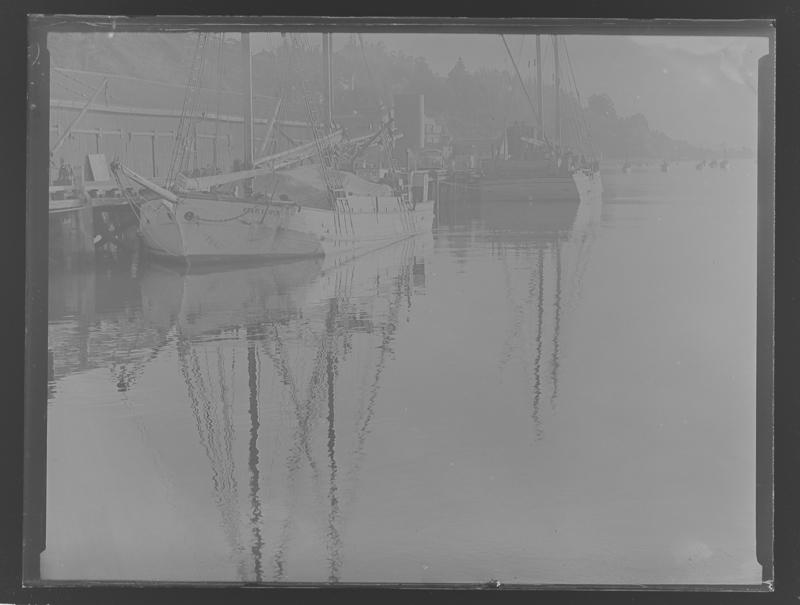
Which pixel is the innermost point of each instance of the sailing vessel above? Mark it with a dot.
(307, 211)
(528, 166)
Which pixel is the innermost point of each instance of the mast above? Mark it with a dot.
(220, 54)
(522, 83)
(247, 64)
(558, 90)
(539, 87)
(82, 113)
(327, 75)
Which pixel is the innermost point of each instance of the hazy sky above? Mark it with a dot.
(486, 50)
(699, 88)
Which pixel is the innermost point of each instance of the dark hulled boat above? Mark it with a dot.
(527, 166)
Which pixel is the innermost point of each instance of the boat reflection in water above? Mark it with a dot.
(279, 372)
(306, 423)
(543, 249)
(205, 302)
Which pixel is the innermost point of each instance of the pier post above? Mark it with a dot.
(84, 230)
(71, 236)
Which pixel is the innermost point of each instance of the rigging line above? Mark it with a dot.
(368, 70)
(293, 466)
(508, 98)
(188, 115)
(183, 126)
(139, 367)
(226, 474)
(81, 82)
(331, 179)
(574, 121)
(228, 435)
(521, 81)
(316, 384)
(580, 103)
(301, 438)
(545, 50)
(270, 138)
(385, 353)
(585, 247)
(210, 407)
(385, 141)
(300, 442)
(205, 388)
(183, 346)
(288, 379)
(73, 90)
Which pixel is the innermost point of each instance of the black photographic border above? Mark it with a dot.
(23, 423)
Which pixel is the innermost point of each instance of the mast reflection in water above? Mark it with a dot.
(543, 249)
(499, 400)
(327, 334)
(318, 327)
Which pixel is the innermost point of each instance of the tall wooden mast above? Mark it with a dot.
(247, 65)
(539, 87)
(327, 74)
(558, 90)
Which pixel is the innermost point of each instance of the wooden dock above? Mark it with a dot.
(84, 217)
(97, 193)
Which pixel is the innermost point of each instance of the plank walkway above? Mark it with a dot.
(101, 194)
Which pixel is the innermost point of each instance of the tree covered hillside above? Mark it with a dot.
(471, 103)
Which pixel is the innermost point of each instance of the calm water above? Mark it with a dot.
(534, 394)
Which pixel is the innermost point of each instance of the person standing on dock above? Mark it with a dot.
(63, 174)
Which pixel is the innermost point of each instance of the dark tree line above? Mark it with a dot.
(470, 103)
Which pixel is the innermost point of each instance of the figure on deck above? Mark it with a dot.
(63, 174)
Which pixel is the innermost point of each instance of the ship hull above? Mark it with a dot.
(199, 230)
(576, 187)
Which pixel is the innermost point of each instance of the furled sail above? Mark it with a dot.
(306, 185)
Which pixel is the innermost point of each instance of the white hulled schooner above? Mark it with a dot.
(303, 210)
